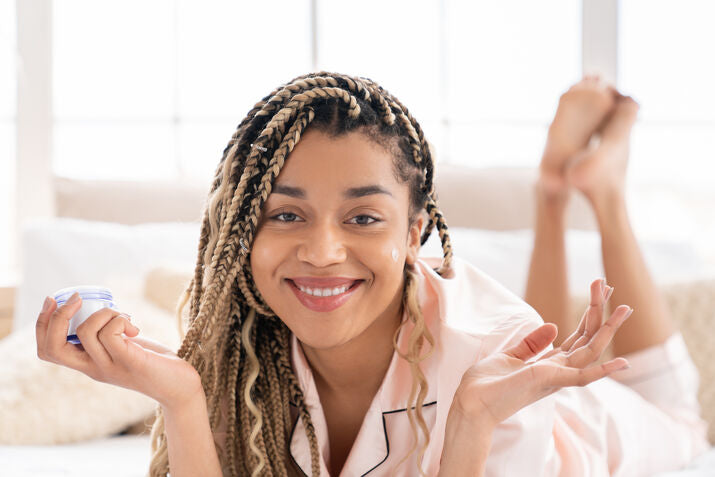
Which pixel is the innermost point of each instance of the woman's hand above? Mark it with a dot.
(503, 383)
(107, 355)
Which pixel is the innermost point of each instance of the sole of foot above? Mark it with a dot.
(580, 112)
(601, 170)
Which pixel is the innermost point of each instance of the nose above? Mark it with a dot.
(322, 245)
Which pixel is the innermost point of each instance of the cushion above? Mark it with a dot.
(165, 284)
(61, 252)
(45, 403)
(130, 202)
(504, 198)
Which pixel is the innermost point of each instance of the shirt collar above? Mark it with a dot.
(371, 445)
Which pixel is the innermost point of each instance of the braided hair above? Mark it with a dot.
(239, 347)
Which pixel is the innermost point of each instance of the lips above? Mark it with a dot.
(325, 303)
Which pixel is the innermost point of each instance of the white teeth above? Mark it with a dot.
(324, 291)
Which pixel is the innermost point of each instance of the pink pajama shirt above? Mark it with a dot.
(639, 421)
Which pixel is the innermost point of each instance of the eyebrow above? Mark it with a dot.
(351, 193)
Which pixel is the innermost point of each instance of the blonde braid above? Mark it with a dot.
(420, 332)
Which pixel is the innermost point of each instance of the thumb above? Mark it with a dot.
(534, 342)
(129, 329)
(132, 329)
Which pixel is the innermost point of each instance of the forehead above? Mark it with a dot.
(350, 160)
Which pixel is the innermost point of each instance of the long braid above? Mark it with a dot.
(419, 389)
(234, 340)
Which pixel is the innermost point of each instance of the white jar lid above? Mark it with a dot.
(86, 292)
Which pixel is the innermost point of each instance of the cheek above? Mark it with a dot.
(264, 261)
(379, 259)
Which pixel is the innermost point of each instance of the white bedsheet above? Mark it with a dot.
(128, 456)
(118, 456)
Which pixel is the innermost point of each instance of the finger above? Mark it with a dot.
(568, 342)
(534, 342)
(589, 353)
(55, 348)
(111, 337)
(88, 334)
(595, 309)
(567, 376)
(43, 320)
(591, 319)
(58, 325)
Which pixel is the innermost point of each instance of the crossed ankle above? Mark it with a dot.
(551, 193)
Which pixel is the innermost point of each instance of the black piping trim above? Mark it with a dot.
(290, 439)
(384, 430)
(405, 409)
(387, 440)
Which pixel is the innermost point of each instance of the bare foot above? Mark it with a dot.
(581, 111)
(600, 171)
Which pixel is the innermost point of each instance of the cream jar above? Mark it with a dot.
(94, 298)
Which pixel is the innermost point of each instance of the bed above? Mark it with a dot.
(152, 231)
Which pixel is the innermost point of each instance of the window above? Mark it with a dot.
(671, 74)
(163, 102)
(483, 95)
(507, 64)
(665, 62)
(8, 101)
(399, 48)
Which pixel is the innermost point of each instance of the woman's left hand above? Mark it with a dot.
(501, 384)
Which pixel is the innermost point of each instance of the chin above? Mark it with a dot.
(323, 340)
(322, 336)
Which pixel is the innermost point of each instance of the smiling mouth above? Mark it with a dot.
(313, 299)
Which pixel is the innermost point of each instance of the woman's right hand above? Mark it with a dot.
(105, 355)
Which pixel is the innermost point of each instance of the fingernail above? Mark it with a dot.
(46, 304)
(630, 312)
(608, 293)
(73, 299)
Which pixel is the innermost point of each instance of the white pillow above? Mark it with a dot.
(62, 252)
(505, 255)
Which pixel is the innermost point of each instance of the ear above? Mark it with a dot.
(413, 239)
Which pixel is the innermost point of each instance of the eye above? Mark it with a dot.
(287, 217)
(373, 219)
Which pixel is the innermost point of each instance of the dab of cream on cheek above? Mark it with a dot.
(94, 298)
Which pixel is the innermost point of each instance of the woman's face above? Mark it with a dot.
(329, 228)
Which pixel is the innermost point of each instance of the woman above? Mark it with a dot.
(318, 342)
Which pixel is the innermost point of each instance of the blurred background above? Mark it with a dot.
(146, 90)
(114, 115)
